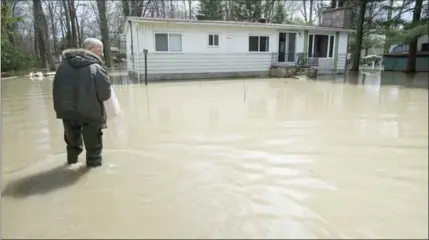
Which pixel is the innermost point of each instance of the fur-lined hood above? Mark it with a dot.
(78, 58)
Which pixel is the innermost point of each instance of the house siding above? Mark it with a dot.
(420, 41)
(342, 51)
(197, 59)
(195, 38)
(202, 65)
(128, 49)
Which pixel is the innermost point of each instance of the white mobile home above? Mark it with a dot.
(184, 49)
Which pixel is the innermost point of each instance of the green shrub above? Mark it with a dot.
(13, 59)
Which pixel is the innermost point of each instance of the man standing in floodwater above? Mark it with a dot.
(80, 87)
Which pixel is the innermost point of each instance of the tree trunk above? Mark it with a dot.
(304, 11)
(172, 10)
(36, 41)
(269, 6)
(67, 23)
(162, 8)
(311, 12)
(79, 36)
(184, 8)
(63, 36)
(190, 8)
(359, 35)
(73, 22)
(137, 8)
(387, 29)
(53, 28)
(126, 8)
(104, 29)
(412, 50)
(333, 3)
(227, 12)
(42, 35)
(81, 32)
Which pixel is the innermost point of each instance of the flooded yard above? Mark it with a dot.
(243, 158)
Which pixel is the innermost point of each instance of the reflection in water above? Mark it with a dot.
(399, 79)
(269, 158)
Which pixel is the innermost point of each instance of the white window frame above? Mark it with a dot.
(329, 44)
(297, 34)
(259, 40)
(208, 40)
(168, 42)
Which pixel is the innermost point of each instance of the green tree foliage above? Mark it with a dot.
(279, 13)
(212, 9)
(244, 10)
(412, 31)
(12, 57)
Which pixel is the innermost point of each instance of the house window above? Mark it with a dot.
(168, 42)
(425, 47)
(213, 40)
(259, 43)
(321, 46)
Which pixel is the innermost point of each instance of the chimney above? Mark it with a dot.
(201, 17)
(262, 20)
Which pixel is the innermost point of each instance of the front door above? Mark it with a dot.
(287, 47)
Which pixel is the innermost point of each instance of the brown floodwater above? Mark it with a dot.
(254, 158)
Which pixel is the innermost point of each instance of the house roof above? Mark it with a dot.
(234, 23)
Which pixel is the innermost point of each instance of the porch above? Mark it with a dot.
(306, 50)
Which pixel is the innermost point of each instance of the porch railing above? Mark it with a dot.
(297, 59)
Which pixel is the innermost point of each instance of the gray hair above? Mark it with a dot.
(91, 41)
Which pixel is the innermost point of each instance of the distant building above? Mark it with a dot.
(397, 58)
(422, 46)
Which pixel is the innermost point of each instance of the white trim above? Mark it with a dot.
(329, 42)
(168, 41)
(280, 27)
(287, 44)
(218, 40)
(259, 39)
(329, 45)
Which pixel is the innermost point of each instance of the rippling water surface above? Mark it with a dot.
(265, 158)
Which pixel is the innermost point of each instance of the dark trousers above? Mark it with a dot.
(92, 137)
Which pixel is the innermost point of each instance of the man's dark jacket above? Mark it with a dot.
(81, 85)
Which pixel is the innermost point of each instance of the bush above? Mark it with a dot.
(13, 59)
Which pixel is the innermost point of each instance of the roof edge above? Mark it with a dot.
(239, 24)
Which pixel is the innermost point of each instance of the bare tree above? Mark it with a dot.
(172, 12)
(412, 52)
(67, 23)
(104, 28)
(308, 17)
(311, 12)
(50, 6)
(72, 12)
(359, 36)
(184, 7)
(42, 34)
(304, 10)
(190, 8)
(126, 8)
